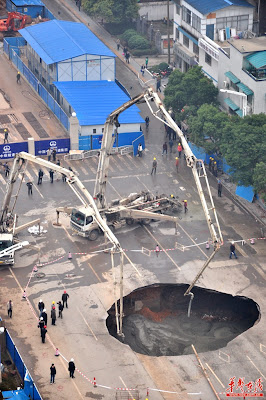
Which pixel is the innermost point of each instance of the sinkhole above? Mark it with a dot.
(156, 321)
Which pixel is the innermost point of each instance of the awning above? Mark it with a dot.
(240, 113)
(258, 60)
(245, 89)
(232, 77)
(231, 104)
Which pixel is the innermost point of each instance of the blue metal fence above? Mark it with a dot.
(11, 48)
(20, 365)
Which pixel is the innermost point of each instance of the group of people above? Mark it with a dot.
(71, 369)
(43, 314)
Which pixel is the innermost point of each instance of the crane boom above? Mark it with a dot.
(106, 148)
(210, 213)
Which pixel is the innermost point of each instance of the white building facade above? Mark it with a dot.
(194, 21)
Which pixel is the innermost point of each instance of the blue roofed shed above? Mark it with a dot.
(93, 102)
(67, 51)
(34, 8)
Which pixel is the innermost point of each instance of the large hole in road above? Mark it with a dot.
(156, 321)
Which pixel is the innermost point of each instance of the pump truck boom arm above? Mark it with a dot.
(106, 149)
(210, 213)
(75, 184)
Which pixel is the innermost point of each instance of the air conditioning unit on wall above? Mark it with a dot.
(226, 85)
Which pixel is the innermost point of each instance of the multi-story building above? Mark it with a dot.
(242, 69)
(218, 20)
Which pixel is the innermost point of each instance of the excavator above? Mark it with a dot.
(13, 22)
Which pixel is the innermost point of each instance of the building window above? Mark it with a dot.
(208, 59)
(177, 34)
(195, 48)
(186, 15)
(186, 41)
(196, 22)
(239, 22)
(94, 131)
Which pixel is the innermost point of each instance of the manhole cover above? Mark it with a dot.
(40, 275)
(156, 319)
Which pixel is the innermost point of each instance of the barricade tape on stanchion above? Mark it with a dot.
(168, 391)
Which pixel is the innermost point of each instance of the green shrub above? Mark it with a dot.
(138, 42)
(128, 34)
(144, 52)
(118, 29)
(163, 66)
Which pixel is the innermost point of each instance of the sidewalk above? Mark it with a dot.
(22, 111)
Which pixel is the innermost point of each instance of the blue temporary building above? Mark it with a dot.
(34, 8)
(67, 51)
(93, 102)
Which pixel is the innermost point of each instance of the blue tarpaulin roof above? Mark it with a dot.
(246, 192)
(23, 3)
(258, 60)
(56, 41)
(93, 101)
(15, 395)
(208, 6)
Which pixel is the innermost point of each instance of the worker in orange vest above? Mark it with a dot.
(179, 149)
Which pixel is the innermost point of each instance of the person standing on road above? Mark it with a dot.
(179, 149)
(210, 164)
(18, 77)
(53, 315)
(54, 155)
(65, 296)
(154, 166)
(44, 316)
(41, 306)
(58, 163)
(157, 250)
(118, 44)
(127, 57)
(176, 163)
(49, 153)
(60, 310)
(41, 324)
(53, 373)
(232, 250)
(215, 168)
(51, 173)
(63, 178)
(164, 148)
(147, 62)
(140, 150)
(40, 176)
(43, 333)
(171, 143)
(29, 185)
(9, 308)
(220, 187)
(185, 206)
(71, 368)
(7, 170)
(6, 136)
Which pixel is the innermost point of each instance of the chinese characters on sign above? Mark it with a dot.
(238, 388)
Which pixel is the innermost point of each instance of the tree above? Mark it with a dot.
(206, 128)
(113, 11)
(190, 89)
(259, 179)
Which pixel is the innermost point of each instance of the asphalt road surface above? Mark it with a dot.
(88, 278)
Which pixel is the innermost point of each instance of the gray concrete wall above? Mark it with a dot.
(156, 11)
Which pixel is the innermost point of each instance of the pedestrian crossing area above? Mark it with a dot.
(123, 167)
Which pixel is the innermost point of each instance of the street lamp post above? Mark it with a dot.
(244, 96)
(168, 32)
